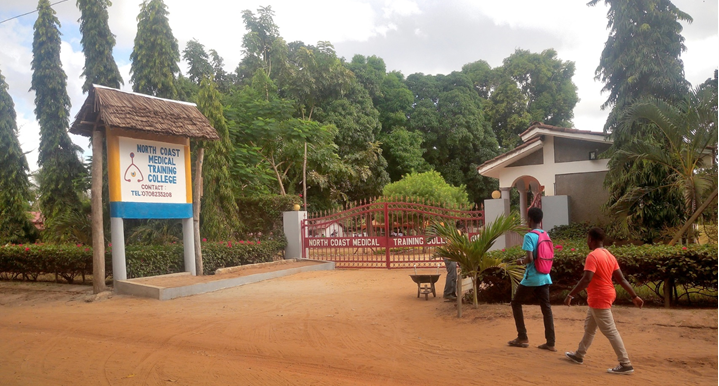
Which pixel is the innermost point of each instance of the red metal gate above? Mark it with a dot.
(382, 234)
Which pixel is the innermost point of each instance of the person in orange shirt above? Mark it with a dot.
(600, 268)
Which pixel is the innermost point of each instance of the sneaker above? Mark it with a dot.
(574, 358)
(621, 369)
(450, 297)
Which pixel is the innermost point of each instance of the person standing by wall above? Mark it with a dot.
(600, 268)
(533, 285)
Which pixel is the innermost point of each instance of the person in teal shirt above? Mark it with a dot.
(534, 285)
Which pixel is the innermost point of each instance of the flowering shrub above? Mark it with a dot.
(28, 262)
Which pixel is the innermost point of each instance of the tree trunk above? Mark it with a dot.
(476, 289)
(304, 178)
(667, 293)
(197, 203)
(279, 178)
(98, 233)
(696, 215)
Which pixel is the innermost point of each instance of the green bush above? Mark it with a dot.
(574, 231)
(263, 214)
(156, 260)
(429, 186)
(28, 262)
(220, 255)
(692, 266)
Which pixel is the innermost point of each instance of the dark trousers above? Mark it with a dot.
(450, 286)
(523, 296)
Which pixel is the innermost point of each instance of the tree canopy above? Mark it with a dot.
(15, 196)
(97, 43)
(198, 60)
(155, 55)
(641, 57)
(527, 87)
(641, 60)
(430, 187)
(61, 171)
(457, 138)
(220, 211)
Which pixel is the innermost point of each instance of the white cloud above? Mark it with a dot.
(335, 21)
(382, 30)
(125, 73)
(402, 8)
(700, 59)
(29, 137)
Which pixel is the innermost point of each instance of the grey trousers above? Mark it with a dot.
(450, 286)
(603, 319)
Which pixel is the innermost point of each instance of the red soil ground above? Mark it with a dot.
(343, 327)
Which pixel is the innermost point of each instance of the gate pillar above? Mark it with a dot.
(493, 209)
(292, 224)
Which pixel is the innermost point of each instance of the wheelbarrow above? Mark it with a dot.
(425, 284)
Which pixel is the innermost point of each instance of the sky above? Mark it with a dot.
(427, 36)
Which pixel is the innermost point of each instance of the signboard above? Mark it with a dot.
(149, 176)
(336, 242)
(152, 171)
(369, 242)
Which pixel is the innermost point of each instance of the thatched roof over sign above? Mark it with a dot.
(144, 113)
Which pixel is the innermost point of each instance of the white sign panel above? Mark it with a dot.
(152, 172)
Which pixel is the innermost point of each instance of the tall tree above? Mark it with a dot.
(403, 148)
(527, 87)
(448, 112)
(200, 67)
(155, 55)
(317, 77)
(262, 46)
(641, 59)
(358, 126)
(688, 129)
(15, 226)
(97, 43)
(60, 167)
(370, 72)
(268, 138)
(641, 56)
(219, 214)
(222, 79)
(404, 153)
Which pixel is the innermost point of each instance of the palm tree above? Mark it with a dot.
(471, 255)
(685, 131)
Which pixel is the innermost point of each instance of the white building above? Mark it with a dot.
(561, 162)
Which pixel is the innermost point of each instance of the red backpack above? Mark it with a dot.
(545, 253)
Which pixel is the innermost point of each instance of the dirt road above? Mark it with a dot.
(344, 327)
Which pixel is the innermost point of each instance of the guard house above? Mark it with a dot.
(562, 163)
(149, 171)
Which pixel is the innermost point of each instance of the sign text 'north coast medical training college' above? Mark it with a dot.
(149, 178)
(151, 171)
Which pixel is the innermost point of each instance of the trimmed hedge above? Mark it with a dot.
(28, 262)
(693, 265)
